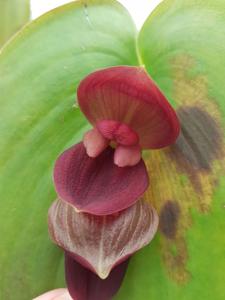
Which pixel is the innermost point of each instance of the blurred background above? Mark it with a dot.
(139, 9)
(15, 13)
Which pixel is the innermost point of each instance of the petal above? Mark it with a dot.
(100, 243)
(94, 142)
(85, 285)
(127, 156)
(128, 95)
(97, 185)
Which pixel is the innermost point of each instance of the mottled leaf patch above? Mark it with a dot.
(200, 143)
(167, 183)
(169, 216)
(184, 176)
(199, 150)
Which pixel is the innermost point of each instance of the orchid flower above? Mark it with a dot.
(117, 171)
(98, 220)
(127, 109)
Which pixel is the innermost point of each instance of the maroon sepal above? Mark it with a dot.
(97, 185)
(85, 285)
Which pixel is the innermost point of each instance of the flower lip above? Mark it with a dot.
(97, 185)
(127, 96)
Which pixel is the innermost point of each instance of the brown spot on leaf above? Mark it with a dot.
(200, 141)
(169, 216)
(190, 170)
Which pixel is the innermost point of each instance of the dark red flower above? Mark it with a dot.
(125, 106)
(127, 109)
(98, 220)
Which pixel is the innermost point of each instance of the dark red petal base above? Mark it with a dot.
(97, 185)
(85, 285)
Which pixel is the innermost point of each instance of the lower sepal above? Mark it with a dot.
(100, 243)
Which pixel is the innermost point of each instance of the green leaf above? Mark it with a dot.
(39, 71)
(183, 48)
(13, 15)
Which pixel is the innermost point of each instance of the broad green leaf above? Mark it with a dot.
(182, 46)
(39, 72)
(13, 15)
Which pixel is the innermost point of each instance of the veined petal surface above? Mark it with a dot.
(102, 242)
(128, 95)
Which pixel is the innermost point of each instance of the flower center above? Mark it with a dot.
(128, 150)
(118, 132)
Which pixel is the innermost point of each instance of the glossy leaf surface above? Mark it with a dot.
(39, 72)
